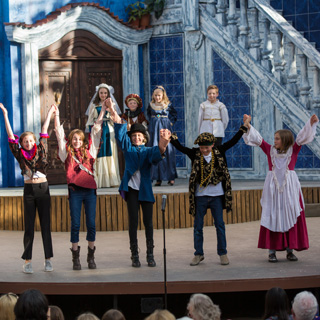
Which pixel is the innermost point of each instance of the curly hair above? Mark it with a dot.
(305, 305)
(204, 308)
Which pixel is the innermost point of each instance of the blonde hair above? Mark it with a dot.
(84, 146)
(165, 98)
(7, 303)
(212, 87)
(161, 315)
(113, 314)
(26, 133)
(287, 139)
(204, 308)
(87, 316)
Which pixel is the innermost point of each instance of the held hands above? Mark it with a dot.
(108, 105)
(246, 120)
(313, 119)
(165, 134)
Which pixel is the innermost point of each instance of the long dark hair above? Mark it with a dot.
(276, 304)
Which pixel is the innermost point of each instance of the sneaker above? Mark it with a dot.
(27, 268)
(291, 256)
(224, 260)
(273, 257)
(196, 260)
(48, 266)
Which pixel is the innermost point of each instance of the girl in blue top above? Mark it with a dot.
(136, 187)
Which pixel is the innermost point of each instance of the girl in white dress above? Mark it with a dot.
(106, 171)
(283, 223)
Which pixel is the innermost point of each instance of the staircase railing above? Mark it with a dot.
(275, 44)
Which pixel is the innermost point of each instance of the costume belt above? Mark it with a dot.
(159, 116)
(212, 120)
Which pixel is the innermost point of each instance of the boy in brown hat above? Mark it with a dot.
(209, 187)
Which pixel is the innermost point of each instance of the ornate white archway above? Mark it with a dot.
(41, 34)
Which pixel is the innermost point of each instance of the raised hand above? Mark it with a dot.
(4, 110)
(165, 134)
(246, 120)
(313, 119)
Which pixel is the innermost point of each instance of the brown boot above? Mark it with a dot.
(150, 257)
(90, 258)
(76, 258)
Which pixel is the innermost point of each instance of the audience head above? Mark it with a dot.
(201, 307)
(87, 316)
(55, 313)
(113, 314)
(304, 306)
(7, 303)
(32, 304)
(276, 304)
(161, 315)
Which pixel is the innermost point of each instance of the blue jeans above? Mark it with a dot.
(76, 198)
(215, 204)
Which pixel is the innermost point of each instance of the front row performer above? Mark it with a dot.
(283, 223)
(33, 161)
(136, 187)
(78, 157)
(209, 187)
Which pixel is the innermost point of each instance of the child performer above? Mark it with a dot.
(33, 162)
(213, 115)
(107, 165)
(134, 112)
(162, 115)
(283, 223)
(136, 187)
(209, 187)
(78, 157)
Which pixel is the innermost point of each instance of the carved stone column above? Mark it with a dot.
(232, 19)
(267, 46)
(292, 70)
(316, 90)
(255, 40)
(304, 87)
(221, 12)
(244, 28)
(279, 61)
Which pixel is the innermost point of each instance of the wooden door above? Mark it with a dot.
(74, 66)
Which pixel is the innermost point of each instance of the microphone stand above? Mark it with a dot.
(163, 207)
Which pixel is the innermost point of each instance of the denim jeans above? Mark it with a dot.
(215, 204)
(76, 198)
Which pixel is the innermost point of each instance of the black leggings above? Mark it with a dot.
(37, 196)
(133, 204)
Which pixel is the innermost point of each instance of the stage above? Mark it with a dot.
(249, 269)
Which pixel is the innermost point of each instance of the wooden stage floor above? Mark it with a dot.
(249, 269)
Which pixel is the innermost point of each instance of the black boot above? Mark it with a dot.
(135, 255)
(76, 258)
(150, 257)
(90, 258)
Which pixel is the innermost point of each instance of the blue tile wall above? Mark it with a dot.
(305, 16)
(166, 69)
(235, 94)
(306, 158)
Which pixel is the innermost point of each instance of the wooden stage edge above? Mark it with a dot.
(174, 287)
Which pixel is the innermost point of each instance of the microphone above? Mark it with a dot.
(163, 203)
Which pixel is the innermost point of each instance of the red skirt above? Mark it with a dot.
(296, 238)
